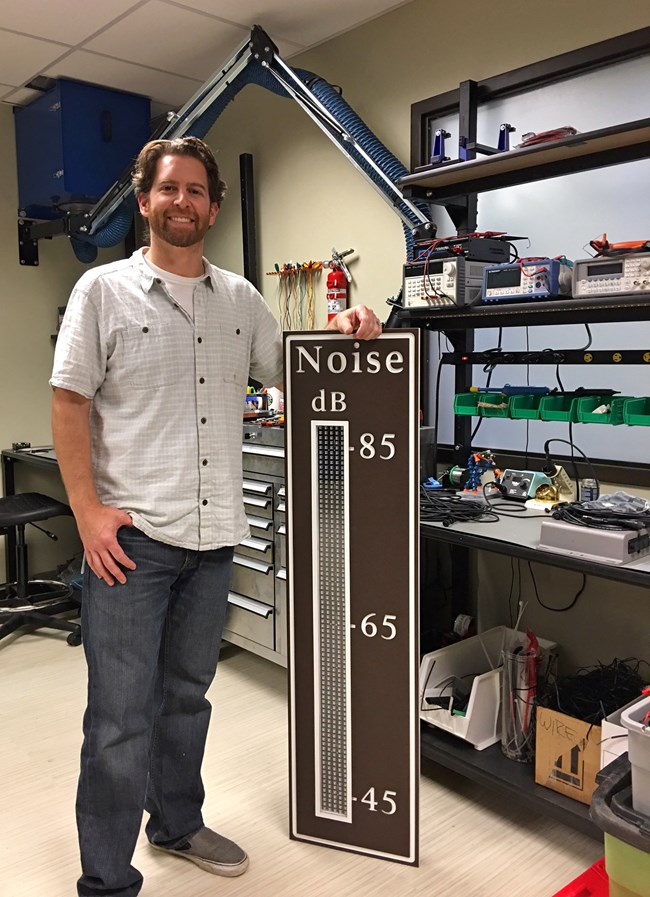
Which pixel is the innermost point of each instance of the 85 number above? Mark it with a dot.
(385, 451)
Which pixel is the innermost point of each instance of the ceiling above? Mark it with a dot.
(162, 49)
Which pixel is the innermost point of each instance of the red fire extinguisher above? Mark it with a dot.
(337, 292)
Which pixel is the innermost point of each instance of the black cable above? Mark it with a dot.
(442, 507)
(436, 418)
(583, 348)
(512, 588)
(595, 692)
(559, 610)
(448, 509)
(489, 370)
(577, 448)
(597, 518)
(514, 508)
(557, 377)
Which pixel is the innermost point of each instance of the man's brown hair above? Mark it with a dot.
(147, 162)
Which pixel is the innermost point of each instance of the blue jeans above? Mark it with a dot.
(152, 647)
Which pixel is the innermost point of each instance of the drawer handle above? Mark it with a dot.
(253, 564)
(259, 522)
(281, 574)
(267, 451)
(250, 604)
(257, 502)
(281, 507)
(257, 544)
(282, 530)
(281, 492)
(258, 486)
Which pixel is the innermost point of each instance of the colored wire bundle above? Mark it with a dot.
(295, 294)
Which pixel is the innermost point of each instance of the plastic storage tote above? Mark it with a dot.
(638, 748)
(627, 832)
(614, 735)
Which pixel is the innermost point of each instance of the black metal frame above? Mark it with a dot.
(248, 221)
(551, 356)
(31, 231)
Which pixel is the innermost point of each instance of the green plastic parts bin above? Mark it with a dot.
(575, 409)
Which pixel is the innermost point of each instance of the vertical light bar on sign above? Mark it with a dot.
(331, 598)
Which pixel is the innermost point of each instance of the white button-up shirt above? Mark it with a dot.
(168, 394)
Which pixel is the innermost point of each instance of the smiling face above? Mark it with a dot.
(178, 207)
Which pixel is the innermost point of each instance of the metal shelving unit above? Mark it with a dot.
(491, 769)
(581, 152)
(517, 538)
(626, 308)
(454, 185)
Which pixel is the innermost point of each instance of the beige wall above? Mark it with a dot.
(29, 312)
(309, 198)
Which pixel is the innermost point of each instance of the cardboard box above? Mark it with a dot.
(567, 754)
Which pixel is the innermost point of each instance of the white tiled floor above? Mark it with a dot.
(474, 843)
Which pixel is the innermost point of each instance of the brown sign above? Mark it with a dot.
(352, 446)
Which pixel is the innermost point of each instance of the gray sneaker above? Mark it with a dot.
(211, 852)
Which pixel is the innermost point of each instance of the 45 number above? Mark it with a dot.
(388, 802)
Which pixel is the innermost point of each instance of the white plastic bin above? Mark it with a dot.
(638, 751)
(613, 736)
(478, 657)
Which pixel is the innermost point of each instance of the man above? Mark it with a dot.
(150, 373)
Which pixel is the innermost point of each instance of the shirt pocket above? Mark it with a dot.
(234, 357)
(153, 355)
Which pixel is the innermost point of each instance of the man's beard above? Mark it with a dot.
(181, 236)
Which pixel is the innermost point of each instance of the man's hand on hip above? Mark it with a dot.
(98, 528)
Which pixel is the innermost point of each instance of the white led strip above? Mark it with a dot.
(331, 598)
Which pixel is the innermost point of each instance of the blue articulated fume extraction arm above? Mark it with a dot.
(257, 61)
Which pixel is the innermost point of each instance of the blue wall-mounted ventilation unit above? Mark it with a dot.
(73, 142)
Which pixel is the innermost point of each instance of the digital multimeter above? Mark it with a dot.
(613, 275)
(526, 280)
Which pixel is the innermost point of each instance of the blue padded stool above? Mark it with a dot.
(33, 602)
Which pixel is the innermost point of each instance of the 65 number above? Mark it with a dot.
(370, 628)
